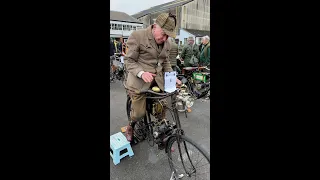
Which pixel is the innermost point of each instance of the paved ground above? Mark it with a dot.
(149, 163)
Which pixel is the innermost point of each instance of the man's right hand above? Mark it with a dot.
(147, 77)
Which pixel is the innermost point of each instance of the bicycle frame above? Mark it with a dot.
(176, 132)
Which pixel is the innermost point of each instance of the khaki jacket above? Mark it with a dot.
(144, 55)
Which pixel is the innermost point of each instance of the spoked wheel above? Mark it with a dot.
(149, 132)
(187, 159)
(140, 130)
(111, 74)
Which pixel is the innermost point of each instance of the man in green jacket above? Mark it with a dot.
(188, 50)
(205, 51)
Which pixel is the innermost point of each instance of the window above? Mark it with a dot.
(119, 26)
(134, 28)
(114, 27)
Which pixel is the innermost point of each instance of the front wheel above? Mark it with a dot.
(187, 160)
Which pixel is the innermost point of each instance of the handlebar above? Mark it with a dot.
(155, 93)
(205, 67)
(193, 68)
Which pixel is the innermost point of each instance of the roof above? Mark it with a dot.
(161, 7)
(121, 16)
(197, 33)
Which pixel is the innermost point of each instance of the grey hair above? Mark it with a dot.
(206, 37)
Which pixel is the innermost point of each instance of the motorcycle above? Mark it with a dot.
(195, 84)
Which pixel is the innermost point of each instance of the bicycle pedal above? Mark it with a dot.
(124, 129)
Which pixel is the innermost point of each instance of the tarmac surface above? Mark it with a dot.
(149, 163)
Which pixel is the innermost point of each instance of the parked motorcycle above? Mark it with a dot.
(195, 84)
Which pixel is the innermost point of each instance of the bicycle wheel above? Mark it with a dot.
(112, 74)
(187, 159)
(149, 131)
(128, 108)
(139, 128)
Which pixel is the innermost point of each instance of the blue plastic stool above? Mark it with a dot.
(118, 142)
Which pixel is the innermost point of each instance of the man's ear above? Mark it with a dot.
(155, 25)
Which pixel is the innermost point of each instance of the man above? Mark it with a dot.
(201, 45)
(146, 61)
(188, 51)
(205, 51)
(112, 49)
(117, 46)
(122, 50)
(173, 54)
(180, 47)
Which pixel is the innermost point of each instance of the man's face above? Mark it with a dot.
(159, 35)
(204, 41)
(190, 42)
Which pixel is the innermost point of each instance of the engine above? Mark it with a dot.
(184, 100)
(158, 109)
(162, 131)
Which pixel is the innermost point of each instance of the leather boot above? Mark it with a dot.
(129, 132)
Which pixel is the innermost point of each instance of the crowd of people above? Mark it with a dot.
(190, 54)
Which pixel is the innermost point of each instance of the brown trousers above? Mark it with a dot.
(138, 104)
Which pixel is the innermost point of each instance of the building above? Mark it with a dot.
(122, 25)
(191, 15)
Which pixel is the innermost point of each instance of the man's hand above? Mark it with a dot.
(178, 81)
(147, 77)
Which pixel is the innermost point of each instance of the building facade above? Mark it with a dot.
(191, 14)
(122, 25)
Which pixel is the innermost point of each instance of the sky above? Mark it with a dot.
(134, 6)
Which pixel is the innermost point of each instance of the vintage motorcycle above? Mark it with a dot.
(195, 84)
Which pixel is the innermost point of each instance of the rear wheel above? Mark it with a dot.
(140, 130)
(111, 74)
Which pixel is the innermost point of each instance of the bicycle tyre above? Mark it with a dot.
(188, 140)
(140, 131)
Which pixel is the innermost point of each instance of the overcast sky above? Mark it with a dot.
(134, 6)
